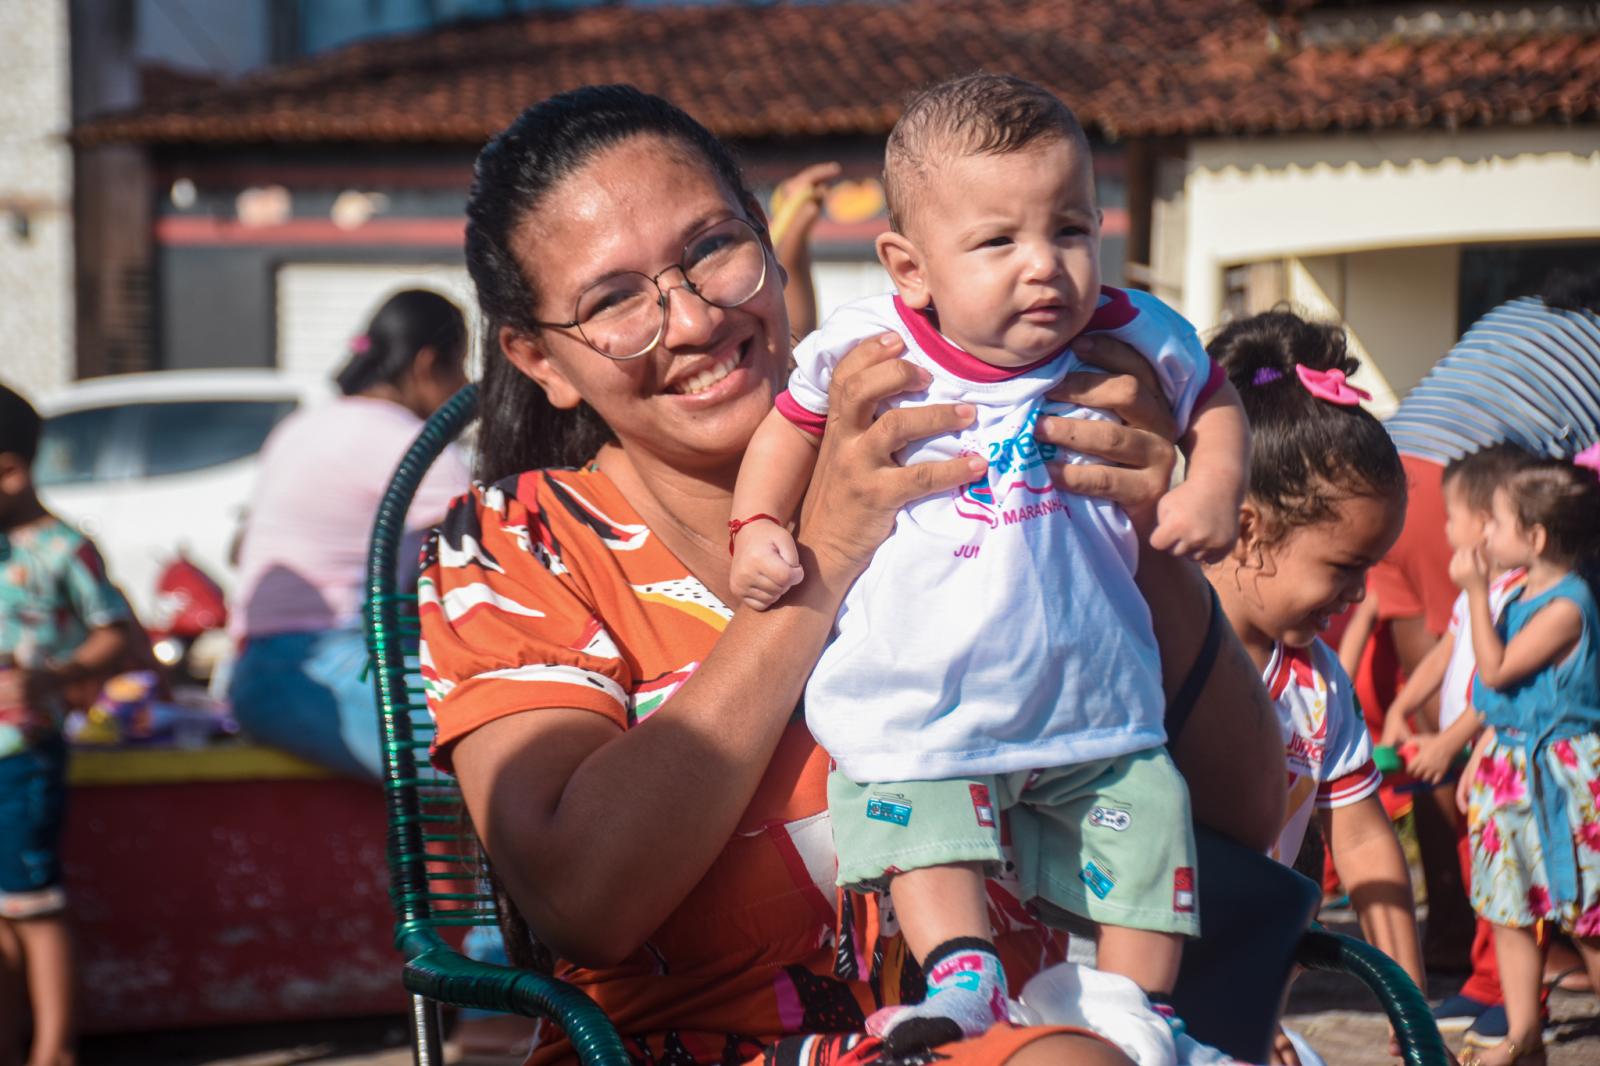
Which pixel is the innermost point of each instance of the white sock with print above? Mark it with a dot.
(966, 995)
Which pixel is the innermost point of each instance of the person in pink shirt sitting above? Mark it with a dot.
(298, 683)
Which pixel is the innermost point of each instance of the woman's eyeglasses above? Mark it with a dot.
(624, 316)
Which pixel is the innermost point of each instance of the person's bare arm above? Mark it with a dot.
(1421, 687)
(773, 477)
(1372, 868)
(599, 834)
(1231, 751)
(797, 205)
(1548, 636)
(100, 656)
(1353, 641)
(1199, 519)
(1412, 639)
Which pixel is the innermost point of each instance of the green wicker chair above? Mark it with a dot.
(434, 881)
(433, 867)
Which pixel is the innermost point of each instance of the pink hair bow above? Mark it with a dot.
(360, 345)
(1589, 459)
(1330, 385)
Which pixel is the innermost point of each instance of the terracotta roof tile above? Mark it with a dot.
(1136, 67)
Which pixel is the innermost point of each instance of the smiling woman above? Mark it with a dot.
(626, 743)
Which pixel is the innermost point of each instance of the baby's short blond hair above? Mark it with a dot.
(975, 114)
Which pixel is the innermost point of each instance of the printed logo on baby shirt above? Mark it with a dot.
(1100, 881)
(1010, 462)
(981, 805)
(1183, 890)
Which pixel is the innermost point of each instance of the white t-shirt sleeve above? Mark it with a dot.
(1166, 339)
(1348, 772)
(805, 401)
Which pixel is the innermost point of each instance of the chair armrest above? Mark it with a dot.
(1408, 1010)
(443, 974)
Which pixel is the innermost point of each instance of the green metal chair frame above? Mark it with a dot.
(426, 833)
(434, 882)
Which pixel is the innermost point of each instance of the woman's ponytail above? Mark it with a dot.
(408, 322)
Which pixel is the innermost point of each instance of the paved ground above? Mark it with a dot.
(1339, 1018)
(1335, 1014)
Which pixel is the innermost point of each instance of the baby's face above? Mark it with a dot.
(1010, 247)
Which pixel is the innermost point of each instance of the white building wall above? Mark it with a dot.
(1249, 199)
(1370, 227)
(36, 350)
(1398, 305)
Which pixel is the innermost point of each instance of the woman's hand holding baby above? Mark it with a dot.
(1199, 519)
(1138, 451)
(766, 564)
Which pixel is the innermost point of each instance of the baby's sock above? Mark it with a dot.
(966, 995)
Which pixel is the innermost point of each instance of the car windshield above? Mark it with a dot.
(153, 439)
(77, 446)
(179, 437)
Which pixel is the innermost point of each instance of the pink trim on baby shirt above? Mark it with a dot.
(1213, 383)
(1113, 311)
(962, 364)
(807, 420)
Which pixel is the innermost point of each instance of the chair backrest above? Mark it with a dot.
(434, 877)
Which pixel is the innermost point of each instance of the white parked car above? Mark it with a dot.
(151, 465)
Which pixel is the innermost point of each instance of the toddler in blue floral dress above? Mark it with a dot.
(1532, 790)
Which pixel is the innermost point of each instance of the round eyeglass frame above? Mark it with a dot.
(663, 296)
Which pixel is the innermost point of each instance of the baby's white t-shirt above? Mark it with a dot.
(998, 628)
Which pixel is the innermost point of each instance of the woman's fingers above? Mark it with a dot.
(1110, 441)
(1114, 356)
(928, 479)
(897, 428)
(871, 373)
(1130, 389)
(1134, 490)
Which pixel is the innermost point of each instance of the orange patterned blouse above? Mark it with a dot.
(547, 590)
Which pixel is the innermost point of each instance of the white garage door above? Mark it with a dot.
(322, 306)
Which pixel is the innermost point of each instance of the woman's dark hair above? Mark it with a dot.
(520, 429)
(1306, 453)
(407, 322)
(19, 425)
(1477, 475)
(1564, 498)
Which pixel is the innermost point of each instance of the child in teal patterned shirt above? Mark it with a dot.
(63, 629)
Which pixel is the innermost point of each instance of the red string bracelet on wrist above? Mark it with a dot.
(736, 524)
